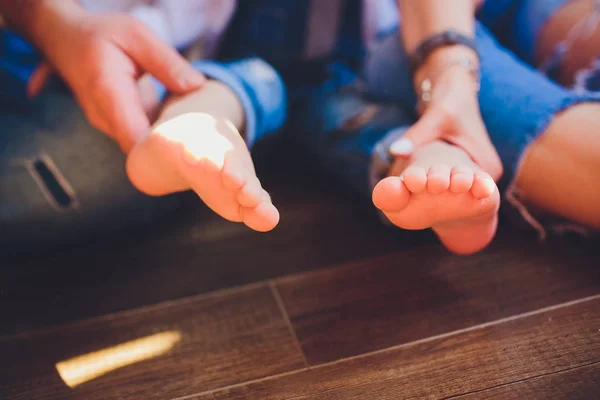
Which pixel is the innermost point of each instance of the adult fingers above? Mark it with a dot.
(154, 56)
(38, 79)
(431, 126)
(119, 107)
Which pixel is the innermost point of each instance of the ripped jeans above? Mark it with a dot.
(60, 179)
(350, 122)
(518, 23)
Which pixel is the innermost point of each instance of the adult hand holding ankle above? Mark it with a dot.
(451, 112)
(101, 57)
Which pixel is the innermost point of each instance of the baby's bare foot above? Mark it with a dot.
(198, 152)
(444, 190)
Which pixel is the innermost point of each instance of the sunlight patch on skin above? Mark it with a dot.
(190, 132)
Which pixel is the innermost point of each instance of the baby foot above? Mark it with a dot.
(207, 155)
(444, 190)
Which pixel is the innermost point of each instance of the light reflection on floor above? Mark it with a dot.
(84, 368)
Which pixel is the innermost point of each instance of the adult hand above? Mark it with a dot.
(101, 57)
(453, 115)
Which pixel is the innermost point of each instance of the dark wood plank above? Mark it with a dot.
(398, 298)
(440, 368)
(195, 251)
(219, 339)
(581, 383)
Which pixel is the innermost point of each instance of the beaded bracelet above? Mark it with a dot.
(426, 85)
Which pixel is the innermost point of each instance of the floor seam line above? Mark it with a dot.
(403, 345)
(286, 317)
(516, 382)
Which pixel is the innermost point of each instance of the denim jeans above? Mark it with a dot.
(517, 23)
(350, 121)
(61, 180)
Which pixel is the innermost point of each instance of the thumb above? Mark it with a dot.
(38, 79)
(427, 129)
(162, 61)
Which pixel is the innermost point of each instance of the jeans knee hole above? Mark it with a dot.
(52, 183)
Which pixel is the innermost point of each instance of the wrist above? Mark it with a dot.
(442, 59)
(222, 102)
(447, 69)
(214, 98)
(48, 17)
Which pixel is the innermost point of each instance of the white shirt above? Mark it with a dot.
(177, 22)
(181, 22)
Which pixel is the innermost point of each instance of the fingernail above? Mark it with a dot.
(402, 147)
(194, 79)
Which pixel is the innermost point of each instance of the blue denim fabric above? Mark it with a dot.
(350, 127)
(517, 102)
(340, 124)
(18, 60)
(53, 129)
(530, 18)
(519, 22)
(589, 79)
(276, 31)
(259, 88)
(273, 30)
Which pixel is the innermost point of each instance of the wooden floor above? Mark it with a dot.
(331, 305)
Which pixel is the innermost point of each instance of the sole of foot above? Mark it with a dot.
(194, 151)
(451, 195)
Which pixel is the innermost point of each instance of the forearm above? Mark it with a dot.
(19, 14)
(34, 19)
(214, 98)
(423, 18)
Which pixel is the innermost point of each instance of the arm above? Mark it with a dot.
(105, 55)
(20, 14)
(32, 18)
(425, 18)
(452, 113)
